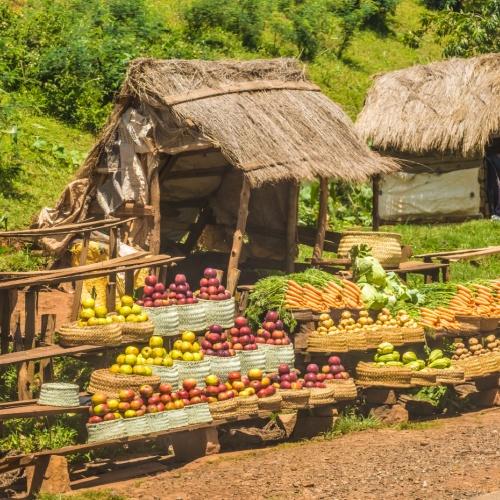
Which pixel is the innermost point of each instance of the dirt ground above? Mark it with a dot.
(448, 459)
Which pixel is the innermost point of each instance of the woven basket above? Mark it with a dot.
(270, 403)
(386, 247)
(424, 378)
(104, 431)
(489, 363)
(248, 405)
(110, 383)
(158, 422)
(252, 359)
(452, 375)
(224, 409)
(343, 390)
(392, 335)
(220, 312)
(368, 374)
(471, 366)
(165, 320)
(322, 396)
(373, 338)
(192, 317)
(356, 341)
(327, 343)
(168, 375)
(412, 335)
(480, 323)
(277, 355)
(198, 414)
(59, 394)
(496, 355)
(193, 369)
(294, 399)
(222, 366)
(177, 418)
(106, 335)
(137, 332)
(137, 426)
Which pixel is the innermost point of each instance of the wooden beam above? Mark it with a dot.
(114, 239)
(234, 258)
(155, 235)
(190, 149)
(196, 172)
(291, 226)
(197, 229)
(79, 284)
(375, 202)
(322, 219)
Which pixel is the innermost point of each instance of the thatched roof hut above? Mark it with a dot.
(440, 118)
(188, 140)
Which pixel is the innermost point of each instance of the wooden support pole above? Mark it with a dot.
(155, 236)
(322, 219)
(291, 226)
(8, 300)
(114, 239)
(375, 202)
(48, 327)
(129, 283)
(233, 272)
(79, 284)
(24, 372)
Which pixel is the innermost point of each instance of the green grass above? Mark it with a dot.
(88, 495)
(351, 422)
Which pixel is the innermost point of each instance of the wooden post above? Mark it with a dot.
(322, 219)
(114, 239)
(79, 284)
(375, 202)
(291, 226)
(155, 236)
(23, 375)
(129, 283)
(48, 327)
(233, 272)
(8, 300)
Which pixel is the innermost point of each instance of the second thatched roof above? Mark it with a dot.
(264, 116)
(448, 107)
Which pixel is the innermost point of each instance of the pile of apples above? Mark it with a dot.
(313, 377)
(216, 342)
(216, 390)
(130, 404)
(129, 312)
(272, 331)
(211, 288)
(155, 294)
(190, 394)
(334, 369)
(242, 336)
(92, 315)
(187, 348)
(286, 378)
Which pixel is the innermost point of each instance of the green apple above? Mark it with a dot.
(146, 352)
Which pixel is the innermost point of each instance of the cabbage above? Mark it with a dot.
(372, 298)
(370, 268)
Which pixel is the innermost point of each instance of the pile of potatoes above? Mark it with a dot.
(474, 347)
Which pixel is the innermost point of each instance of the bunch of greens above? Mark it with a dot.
(378, 288)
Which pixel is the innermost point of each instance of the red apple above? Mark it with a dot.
(189, 383)
(151, 280)
(283, 369)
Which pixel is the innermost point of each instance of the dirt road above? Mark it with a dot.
(450, 459)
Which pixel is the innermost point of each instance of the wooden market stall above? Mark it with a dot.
(440, 120)
(209, 155)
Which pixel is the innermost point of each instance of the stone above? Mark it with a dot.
(487, 398)
(288, 420)
(380, 396)
(390, 415)
(49, 475)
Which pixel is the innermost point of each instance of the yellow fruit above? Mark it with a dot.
(178, 345)
(167, 361)
(148, 371)
(188, 356)
(126, 370)
(127, 300)
(175, 354)
(101, 311)
(157, 352)
(125, 310)
(115, 368)
(109, 320)
(118, 318)
(197, 356)
(120, 359)
(156, 341)
(186, 346)
(131, 318)
(87, 313)
(93, 321)
(146, 352)
(142, 317)
(140, 360)
(130, 359)
(136, 309)
(88, 303)
(195, 347)
(139, 370)
(157, 361)
(82, 323)
(132, 349)
(188, 336)
(150, 361)
(102, 321)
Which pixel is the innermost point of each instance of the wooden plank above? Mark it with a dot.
(234, 258)
(446, 253)
(79, 284)
(114, 239)
(129, 209)
(129, 283)
(48, 328)
(322, 219)
(376, 202)
(291, 226)
(155, 234)
(472, 255)
(34, 410)
(197, 229)
(195, 148)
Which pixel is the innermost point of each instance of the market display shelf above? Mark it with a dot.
(29, 408)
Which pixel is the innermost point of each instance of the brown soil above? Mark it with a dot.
(453, 459)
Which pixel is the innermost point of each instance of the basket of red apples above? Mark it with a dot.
(219, 305)
(219, 352)
(156, 303)
(315, 380)
(195, 402)
(221, 397)
(292, 391)
(244, 343)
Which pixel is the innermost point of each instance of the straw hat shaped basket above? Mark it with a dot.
(222, 366)
(177, 418)
(392, 335)
(59, 394)
(373, 338)
(220, 312)
(322, 396)
(193, 369)
(104, 431)
(158, 422)
(343, 390)
(412, 335)
(137, 331)
(368, 374)
(198, 414)
(278, 355)
(270, 403)
(488, 363)
(356, 341)
(471, 366)
(294, 399)
(386, 247)
(165, 320)
(111, 383)
(192, 317)
(252, 359)
(105, 335)
(168, 375)
(248, 405)
(224, 409)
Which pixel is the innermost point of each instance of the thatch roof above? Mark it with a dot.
(448, 107)
(286, 129)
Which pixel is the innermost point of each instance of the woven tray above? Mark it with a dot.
(198, 414)
(252, 359)
(220, 312)
(177, 418)
(224, 409)
(488, 364)
(104, 431)
(137, 332)
(110, 383)
(356, 341)
(424, 378)
(322, 396)
(59, 394)
(327, 343)
(193, 369)
(373, 338)
(294, 399)
(270, 403)
(248, 405)
(168, 375)
(192, 317)
(165, 320)
(471, 366)
(392, 335)
(106, 335)
(222, 366)
(412, 335)
(368, 374)
(278, 355)
(343, 390)
(452, 375)
(158, 422)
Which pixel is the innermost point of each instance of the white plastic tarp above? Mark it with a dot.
(429, 196)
